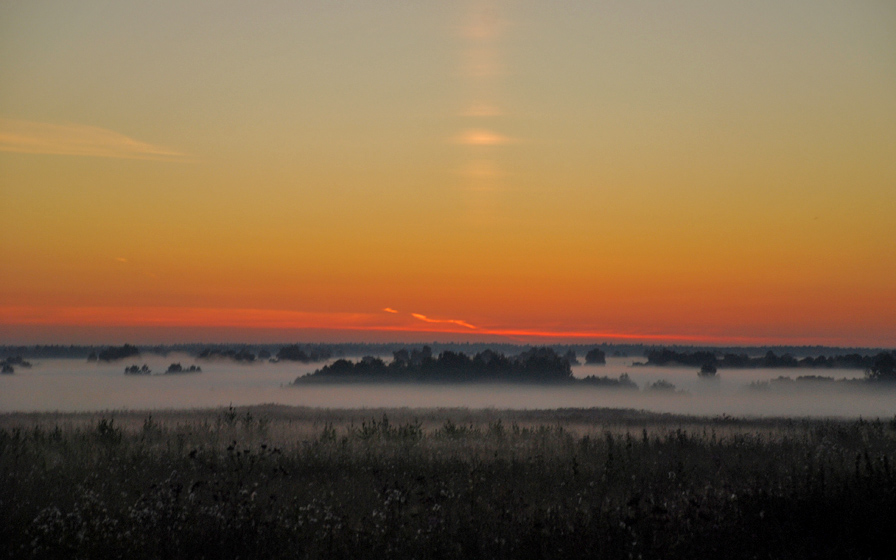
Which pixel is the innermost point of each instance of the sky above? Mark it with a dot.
(693, 172)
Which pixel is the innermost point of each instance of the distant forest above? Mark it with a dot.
(668, 357)
(322, 351)
(534, 365)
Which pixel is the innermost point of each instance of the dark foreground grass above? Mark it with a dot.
(277, 482)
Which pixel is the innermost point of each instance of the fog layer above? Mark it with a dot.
(75, 385)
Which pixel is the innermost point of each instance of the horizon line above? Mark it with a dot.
(330, 325)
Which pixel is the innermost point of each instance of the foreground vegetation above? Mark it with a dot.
(279, 482)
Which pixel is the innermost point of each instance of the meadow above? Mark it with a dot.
(291, 482)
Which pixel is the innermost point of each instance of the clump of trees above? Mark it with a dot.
(595, 356)
(113, 353)
(708, 371)
(177, 368)
(417, 356)
(533, 365)
(137, 370)
(8, 365)
(883, 368)
(667, 356)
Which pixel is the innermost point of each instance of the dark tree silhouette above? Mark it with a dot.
(883, 368)
(595, 356)
(293, 353)
(401, 358)
(571, 357)
(118, 353)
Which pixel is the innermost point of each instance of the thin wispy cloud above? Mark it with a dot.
(389, 310)
(426, 319)
(27, 137)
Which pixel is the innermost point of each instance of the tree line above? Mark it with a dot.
(667, 356)
(879, 367)
(538, 365)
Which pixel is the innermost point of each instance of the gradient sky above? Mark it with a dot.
(693, 171)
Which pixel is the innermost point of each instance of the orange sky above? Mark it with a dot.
(608, 171)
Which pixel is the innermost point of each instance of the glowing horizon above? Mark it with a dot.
(332, 327)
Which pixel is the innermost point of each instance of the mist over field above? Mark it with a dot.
(77, 385)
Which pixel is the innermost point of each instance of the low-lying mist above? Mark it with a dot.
(76, 385)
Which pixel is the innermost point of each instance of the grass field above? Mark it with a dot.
(280, 482)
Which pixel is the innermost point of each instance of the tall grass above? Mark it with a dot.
(299, 483)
